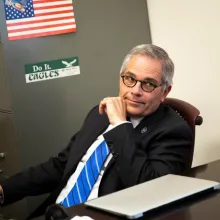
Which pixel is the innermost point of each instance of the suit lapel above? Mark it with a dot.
(96, 125)
(146, 123)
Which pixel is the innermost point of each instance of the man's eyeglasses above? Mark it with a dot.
(146, 85)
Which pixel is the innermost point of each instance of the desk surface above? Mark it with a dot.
(200, 208)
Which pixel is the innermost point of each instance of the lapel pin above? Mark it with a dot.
(143, 130)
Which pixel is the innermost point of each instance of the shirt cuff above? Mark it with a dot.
(114, 126)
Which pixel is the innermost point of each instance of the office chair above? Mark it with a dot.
(188, 112)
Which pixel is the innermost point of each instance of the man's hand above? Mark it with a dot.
(115, 108)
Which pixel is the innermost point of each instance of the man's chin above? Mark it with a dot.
(137, 113)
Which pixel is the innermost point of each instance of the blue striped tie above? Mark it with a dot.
(88, 176)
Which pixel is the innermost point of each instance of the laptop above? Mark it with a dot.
(133, 202)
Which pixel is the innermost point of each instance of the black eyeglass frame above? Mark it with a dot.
(154, 85)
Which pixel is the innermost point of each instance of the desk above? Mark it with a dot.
(199, 208)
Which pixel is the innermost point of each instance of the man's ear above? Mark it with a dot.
(165, 93)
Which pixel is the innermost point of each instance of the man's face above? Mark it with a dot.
(138, 102)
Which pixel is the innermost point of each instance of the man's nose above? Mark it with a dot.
(137, 90)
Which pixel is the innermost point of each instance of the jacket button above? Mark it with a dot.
(115, 155)
(110, 145)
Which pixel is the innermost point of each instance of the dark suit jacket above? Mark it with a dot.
(161, 144)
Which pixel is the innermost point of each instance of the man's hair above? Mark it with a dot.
(153, 52)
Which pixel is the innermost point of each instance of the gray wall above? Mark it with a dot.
(5, 103)
(47, 113)
(11, 163)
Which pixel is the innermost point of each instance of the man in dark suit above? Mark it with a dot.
(145, 138)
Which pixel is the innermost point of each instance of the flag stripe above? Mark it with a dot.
(43, 34)
(39, 25)
(40, 1)
(45, 21)
(44, 4)
(45, 7)
(54, 13)
(40, 18)
(52, 10)
(42, 30)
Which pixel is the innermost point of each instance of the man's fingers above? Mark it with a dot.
(101, 109)
(115, 109)
(115, 101)
(102, 106)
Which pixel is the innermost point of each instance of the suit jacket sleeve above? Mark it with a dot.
(169, 152)
(38, 180)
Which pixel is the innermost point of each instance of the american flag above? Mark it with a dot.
(40, 18)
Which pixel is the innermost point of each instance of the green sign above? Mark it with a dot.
(52, 69)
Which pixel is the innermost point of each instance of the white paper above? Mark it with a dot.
(81, 218)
